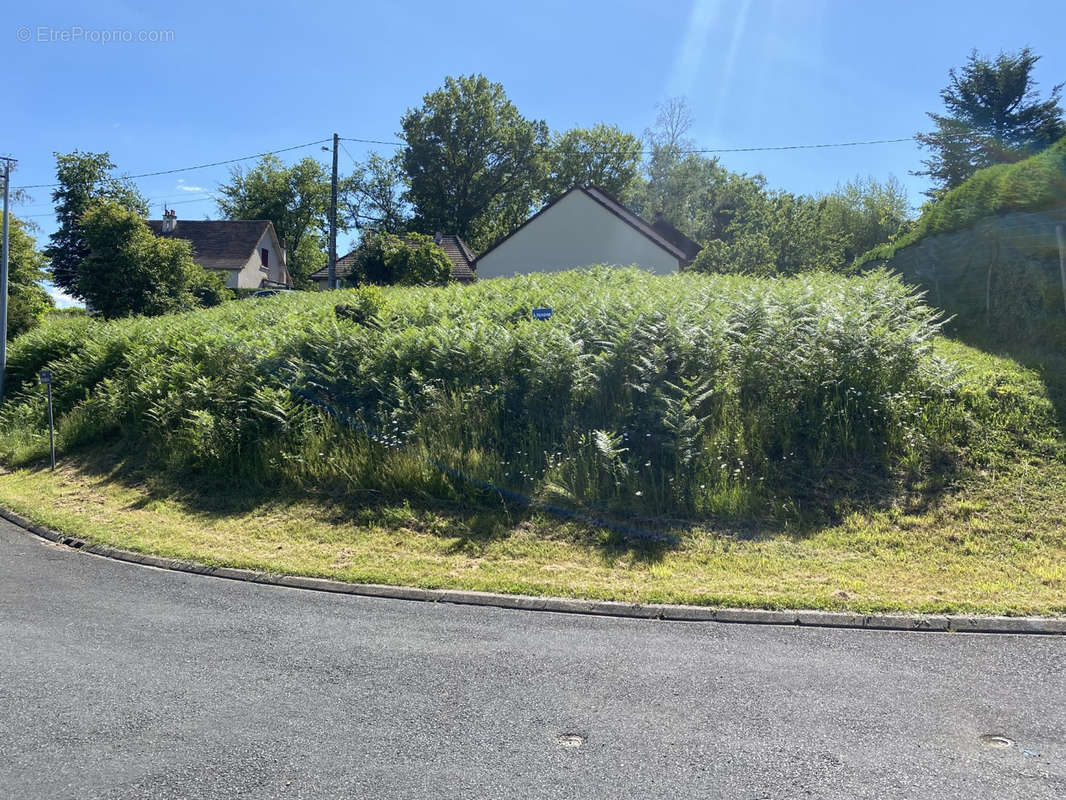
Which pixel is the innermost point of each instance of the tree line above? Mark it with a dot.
(471, 164)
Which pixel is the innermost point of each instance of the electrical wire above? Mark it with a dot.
(197, 166)
(686, 151)
(798, 146)
(342, 139)
(345, 149)
(370, 141)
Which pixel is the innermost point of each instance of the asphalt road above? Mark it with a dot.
(119, 681)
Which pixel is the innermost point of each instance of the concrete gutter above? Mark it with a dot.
(944, 623)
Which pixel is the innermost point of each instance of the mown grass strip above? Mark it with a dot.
(994, 546)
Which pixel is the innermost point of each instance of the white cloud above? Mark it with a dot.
(61, 298)
(184, 187)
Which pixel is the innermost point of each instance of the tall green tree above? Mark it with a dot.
(673, 121)
(27, 300)
(603, 155)
(84, 178)
(131, 271)
(295, 198)
(800, 236)
(372, 197)
(474, 165)
(742, 225)
(691, 191)
(866, 212)
(789, 234)
(699, 196)
(671, 178)
(993, 114)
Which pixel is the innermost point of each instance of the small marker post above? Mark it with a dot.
(46, 379)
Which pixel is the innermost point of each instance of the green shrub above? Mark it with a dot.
(364, 306)
(410, 260)
(131, 271)
(749, 254)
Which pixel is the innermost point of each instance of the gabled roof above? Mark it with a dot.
(610, 204)
(676, 237)
(345, 265)
(458, 252)
(461, 256)
(218, 244)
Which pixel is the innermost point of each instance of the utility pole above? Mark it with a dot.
(3, 279)
(333, 218)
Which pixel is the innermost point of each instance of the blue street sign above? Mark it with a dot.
(542, 313)
(46, 377)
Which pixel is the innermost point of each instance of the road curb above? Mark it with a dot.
(943, 623)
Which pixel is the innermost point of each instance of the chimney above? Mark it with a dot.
(170, 220)
(438, 237)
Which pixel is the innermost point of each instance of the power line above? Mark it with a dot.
(400, 144)
(345, 149)
(201, 193)
(798, 146)
(182, 202)
(169, 203)
(371, 141)
(355, 163)
(198, 166)
(685, 151)
(150, 201)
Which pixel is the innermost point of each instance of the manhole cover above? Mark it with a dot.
(997, 740)
(569, 740)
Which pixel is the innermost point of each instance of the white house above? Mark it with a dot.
(247, 252)
(587, 226)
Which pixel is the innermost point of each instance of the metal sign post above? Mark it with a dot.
(46, 379)
(3, 278)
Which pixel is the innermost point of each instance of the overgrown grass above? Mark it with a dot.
(992, 543)
(683, 395)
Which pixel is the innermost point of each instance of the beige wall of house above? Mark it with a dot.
(575, 232)
(251, 276)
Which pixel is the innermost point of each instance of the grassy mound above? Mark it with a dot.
(1033, 184)
(643, 395)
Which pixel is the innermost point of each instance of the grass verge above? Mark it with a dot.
(993, 544)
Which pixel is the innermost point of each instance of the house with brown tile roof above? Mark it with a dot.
(246, 252)
(461, 256)
(343, 269)
(583, 227)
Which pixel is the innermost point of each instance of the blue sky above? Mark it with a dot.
(235, 79)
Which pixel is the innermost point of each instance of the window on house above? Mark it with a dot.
(264, 258)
